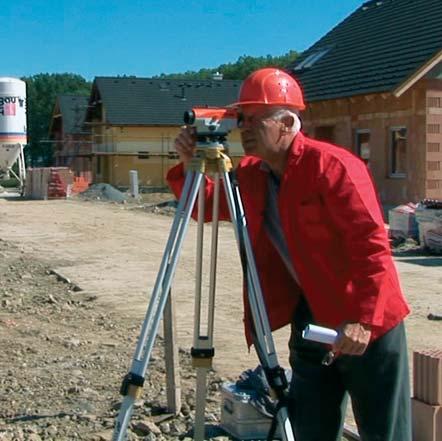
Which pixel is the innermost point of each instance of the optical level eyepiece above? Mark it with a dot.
(189, 117)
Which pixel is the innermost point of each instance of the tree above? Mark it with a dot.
(238, 70)
(42, 90)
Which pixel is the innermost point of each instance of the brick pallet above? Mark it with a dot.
(48, 182)
(427, 401)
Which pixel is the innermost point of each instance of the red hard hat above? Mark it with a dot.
(270, 86)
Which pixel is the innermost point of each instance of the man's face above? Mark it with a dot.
(260, 134)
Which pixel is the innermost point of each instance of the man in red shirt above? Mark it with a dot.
(323, 257)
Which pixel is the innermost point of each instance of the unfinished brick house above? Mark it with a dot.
(72, 141)
(134, 122)
(374, 85)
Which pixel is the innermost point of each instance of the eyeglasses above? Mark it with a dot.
(251, 120)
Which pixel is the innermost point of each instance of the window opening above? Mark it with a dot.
(363, 145)
(143, 155)
(398, 152)
(311, 59)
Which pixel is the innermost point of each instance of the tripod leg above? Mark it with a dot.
(133, 382)
(198, 430)
(171, 356)
(202, 350)
(263, 339)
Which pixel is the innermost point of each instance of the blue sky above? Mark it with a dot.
(146, 38)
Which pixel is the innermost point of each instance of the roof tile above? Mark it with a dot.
(146, 101)
(375, 49)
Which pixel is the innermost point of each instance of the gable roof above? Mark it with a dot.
(72, 109)
(146, 101)
(378, 48)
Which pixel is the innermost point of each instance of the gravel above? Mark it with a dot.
(63, 359)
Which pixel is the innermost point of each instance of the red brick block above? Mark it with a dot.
(427, 421)
(427, 377)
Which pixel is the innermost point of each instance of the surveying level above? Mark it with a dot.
(212, 123)
(210, 159)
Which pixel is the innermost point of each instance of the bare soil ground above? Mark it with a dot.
(65, 351)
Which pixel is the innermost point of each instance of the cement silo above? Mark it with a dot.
(13, 133)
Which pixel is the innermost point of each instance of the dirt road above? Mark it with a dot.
(113, 252)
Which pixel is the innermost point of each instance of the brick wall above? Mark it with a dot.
(378, 114)
(433, 184)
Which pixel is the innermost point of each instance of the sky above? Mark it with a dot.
(146, 38)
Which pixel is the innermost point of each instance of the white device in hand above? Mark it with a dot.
(319, 334)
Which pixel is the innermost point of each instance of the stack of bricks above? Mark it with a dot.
(80, 184)
(48, 182)
(427, 401)
(56, 187)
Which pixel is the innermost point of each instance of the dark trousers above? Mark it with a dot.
(377, 382)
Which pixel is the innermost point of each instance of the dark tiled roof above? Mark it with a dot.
(73, 111)
(144, 101)
(373, 50)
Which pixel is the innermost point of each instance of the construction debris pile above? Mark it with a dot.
(159, 202)
(104, 192)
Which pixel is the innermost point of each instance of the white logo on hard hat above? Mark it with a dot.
(284, 86)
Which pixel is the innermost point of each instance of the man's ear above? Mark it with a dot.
(288, 121)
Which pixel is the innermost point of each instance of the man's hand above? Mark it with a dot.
(185, 144)
(353, 339)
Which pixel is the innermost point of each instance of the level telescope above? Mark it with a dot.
(211, 123)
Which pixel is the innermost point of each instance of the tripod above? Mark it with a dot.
(209, 158)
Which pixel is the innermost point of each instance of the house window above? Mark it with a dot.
(363, 144)
(398, 152)
(143, 155)
(98, 165)
(173, 155)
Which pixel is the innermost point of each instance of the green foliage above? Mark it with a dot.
(238, 70)
(42, 90)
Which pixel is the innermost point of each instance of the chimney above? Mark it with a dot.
(217, 76)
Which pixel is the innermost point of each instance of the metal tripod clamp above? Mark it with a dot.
(277, 379)
(225, 163)
(132, 385)
(210, 158)
(197, 164)
(202, 357)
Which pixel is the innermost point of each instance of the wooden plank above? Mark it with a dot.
(173, 381)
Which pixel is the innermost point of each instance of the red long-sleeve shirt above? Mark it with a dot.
(335, 234)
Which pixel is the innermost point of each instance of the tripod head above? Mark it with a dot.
(212, 124)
